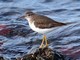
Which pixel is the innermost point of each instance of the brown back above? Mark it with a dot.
(45, 22)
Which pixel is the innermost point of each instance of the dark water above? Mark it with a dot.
(64, 39)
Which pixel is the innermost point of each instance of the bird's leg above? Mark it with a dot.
(46, 41)
(42, 44)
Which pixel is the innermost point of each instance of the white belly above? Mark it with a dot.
(42, 31)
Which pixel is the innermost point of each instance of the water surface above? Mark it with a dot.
(64, 39)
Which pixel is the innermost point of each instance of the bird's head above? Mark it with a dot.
(28, 15)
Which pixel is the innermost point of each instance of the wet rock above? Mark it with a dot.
(1, 58)
(44, 54)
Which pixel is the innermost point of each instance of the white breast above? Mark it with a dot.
(39, 30)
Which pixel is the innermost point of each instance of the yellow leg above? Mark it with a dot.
(42, 44)
(46, 41)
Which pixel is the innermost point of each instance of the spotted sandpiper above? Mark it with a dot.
(41, 24)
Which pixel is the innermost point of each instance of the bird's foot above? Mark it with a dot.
(43, 46)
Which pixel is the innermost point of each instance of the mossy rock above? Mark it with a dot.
(45, 54)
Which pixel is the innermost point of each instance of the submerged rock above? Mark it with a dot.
(44, 54)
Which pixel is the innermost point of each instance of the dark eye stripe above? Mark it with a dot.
(29, 15)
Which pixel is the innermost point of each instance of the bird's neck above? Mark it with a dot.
(29, 20)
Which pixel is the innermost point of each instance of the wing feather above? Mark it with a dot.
(45, 22)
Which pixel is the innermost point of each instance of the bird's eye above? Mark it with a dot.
(29, 15)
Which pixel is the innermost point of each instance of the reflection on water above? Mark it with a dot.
(16, 38)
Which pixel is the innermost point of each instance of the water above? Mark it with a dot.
(64, 39)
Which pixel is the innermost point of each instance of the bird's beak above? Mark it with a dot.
(22, 17)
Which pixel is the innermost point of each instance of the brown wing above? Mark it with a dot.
(45, 22)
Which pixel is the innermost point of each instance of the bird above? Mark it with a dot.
(41, 24)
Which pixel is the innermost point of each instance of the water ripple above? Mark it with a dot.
(16, 38)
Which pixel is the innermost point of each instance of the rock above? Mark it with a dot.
(45, 54)
(1, 58)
